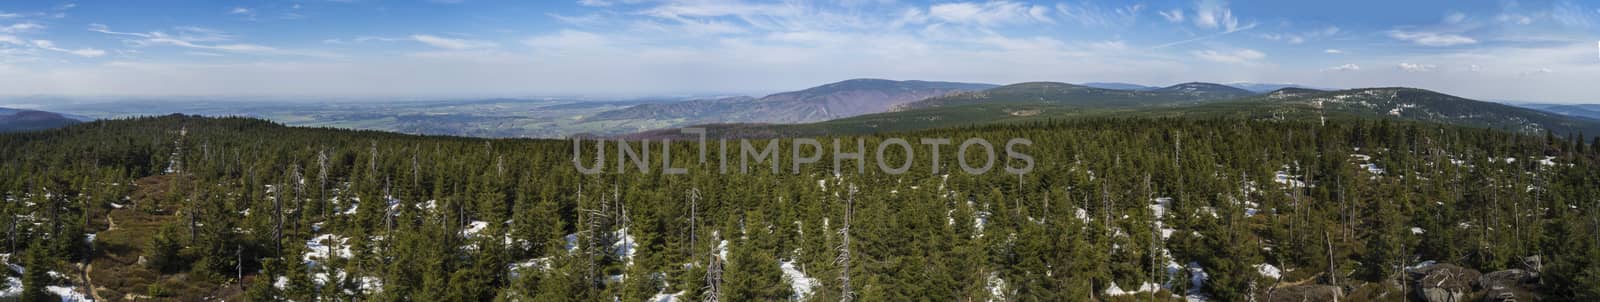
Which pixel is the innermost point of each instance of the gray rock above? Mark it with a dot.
(1506, 279)
(1444, 282)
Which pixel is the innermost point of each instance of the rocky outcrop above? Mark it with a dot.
(1507, 285)
(1443, 282)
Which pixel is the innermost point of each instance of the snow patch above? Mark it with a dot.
(798, 280)
(1270, 271)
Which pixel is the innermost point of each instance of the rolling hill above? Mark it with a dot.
(1581, 110)
(1425, 105)
(837, 100)
(1119, 86)
(1266, 87)
(19, 120)
(1050, 101)
(1063, 94)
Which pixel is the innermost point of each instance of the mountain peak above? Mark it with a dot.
(1119, 86)
(1207, 90)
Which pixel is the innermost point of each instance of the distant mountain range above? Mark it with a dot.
(1580, 110)
(1269, 87)
(1039, 101)
(1119, 86)
(18, 120)
(1082, 96)
(1252, 87)
(832, 101)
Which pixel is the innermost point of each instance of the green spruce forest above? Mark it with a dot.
(188, 208)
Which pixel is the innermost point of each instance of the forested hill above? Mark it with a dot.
(21, 120)
(188, 208)
(1038, 102)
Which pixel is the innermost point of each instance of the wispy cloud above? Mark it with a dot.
(1411, 67)
(1539, 71)
(194, 37)
(1215, 14)
(1345, 67)
(1235, 56)
(1431, 38)
(987, 14)
(82, 52)
(1090, 14)
(10, 39)
(450, 43)
(20, 27)
(1174, 16)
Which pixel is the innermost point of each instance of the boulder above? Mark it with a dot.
(1443, 282)
(1506, 279)
(1306, 293)
(1508, 285)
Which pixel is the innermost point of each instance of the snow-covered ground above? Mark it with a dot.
(625, 246)
(318, 249)
(14, 285)
(1270, 271)
(666, 297)
(802, 284)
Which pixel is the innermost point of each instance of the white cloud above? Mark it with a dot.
(1289, 38)
(1409, 67)
(1215, 14)
(986, 14)
(249, 14)
(594, 3)
(1514, 18)
(451, 44)
(1474, 68)
(82, 52)
(1174, 15)
(1041, 13)
(1536, 72)
(192, 37)
(1090, 14)
(1454, 18)
(21, 28)
(1236, 56)
(1333, 51)
(1431, 38)
(1345, 67)
(569, 39)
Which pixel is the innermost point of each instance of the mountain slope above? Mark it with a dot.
(18, 120)
(1575, 110)
(1011, 105)
(1119, 86)
(1581, 110)
(698, 110)
(1206, 91)
(1063, 94)
(837, 100)
(1397, 103)
(1265, 87)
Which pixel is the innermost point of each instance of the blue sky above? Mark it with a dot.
(1518, 50)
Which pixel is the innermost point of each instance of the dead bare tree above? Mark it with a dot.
(843, 261)
(713, 289)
